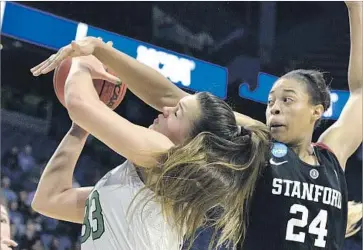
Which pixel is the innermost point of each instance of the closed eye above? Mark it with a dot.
(288, 99)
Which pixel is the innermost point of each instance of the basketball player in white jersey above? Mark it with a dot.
(194, 159)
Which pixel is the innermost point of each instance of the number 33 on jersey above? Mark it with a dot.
(93, 225)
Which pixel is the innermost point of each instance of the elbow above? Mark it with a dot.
(73, 98)
(73, 101)
(35, 207)
(43, 204)
(79, 107)
(76, 106)
(38, 204)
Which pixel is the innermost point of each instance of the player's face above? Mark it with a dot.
(176, 122)
(289, 114)
(5, 223)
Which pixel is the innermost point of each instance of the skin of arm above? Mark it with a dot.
(147, 83)
(345, 135)
(55, 196)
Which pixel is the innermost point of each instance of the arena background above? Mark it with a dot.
(247, 42)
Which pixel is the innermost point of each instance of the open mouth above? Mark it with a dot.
(276, 126)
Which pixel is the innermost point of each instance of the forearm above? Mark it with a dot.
(355, 70)
(58, 174)
(145, 82)
(244, 120)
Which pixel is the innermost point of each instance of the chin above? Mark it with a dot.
(156, 128)
(278, 137)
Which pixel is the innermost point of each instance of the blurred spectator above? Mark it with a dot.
(23, 206)
(17, 219)
(26, 159)
(64, 243)
(30, 238)
(31, 178)
(49, 225)
(6, 188)
(38, 245)
(54, 245)
(10, 158)
(29, 200)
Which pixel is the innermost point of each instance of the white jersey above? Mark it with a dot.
(108, 225)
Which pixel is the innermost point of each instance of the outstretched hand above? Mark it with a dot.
(81, 52)
(83, 47)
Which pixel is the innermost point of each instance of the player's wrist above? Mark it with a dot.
(77, 131)
(79, 66)
(98, 46)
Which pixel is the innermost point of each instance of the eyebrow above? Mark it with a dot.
(290, 91)
(285, 90)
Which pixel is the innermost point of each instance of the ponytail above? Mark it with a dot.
(354, 223)
(209, 182)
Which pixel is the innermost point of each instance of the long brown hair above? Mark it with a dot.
(354, 222)
(210, 178)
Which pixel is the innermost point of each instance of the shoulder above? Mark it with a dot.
(322, 148)
(327, 155)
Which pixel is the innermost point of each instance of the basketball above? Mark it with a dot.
(109, 93)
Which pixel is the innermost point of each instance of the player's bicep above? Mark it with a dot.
(345, 135)
(68, 205)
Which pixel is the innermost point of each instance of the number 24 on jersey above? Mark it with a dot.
(317, 226)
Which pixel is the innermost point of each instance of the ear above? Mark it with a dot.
(318, 111)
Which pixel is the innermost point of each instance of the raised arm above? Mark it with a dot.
(345, 135)
(136, 143)
(145, 82)
(55, 196)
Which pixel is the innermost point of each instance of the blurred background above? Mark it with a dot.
(234, 50)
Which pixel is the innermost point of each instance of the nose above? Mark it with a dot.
(275, 109)
(166, 111)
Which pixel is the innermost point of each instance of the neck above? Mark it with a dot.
(303, 148)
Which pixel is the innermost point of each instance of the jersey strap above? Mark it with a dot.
(322, 145)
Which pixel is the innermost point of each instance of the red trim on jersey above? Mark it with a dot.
(323, 145)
